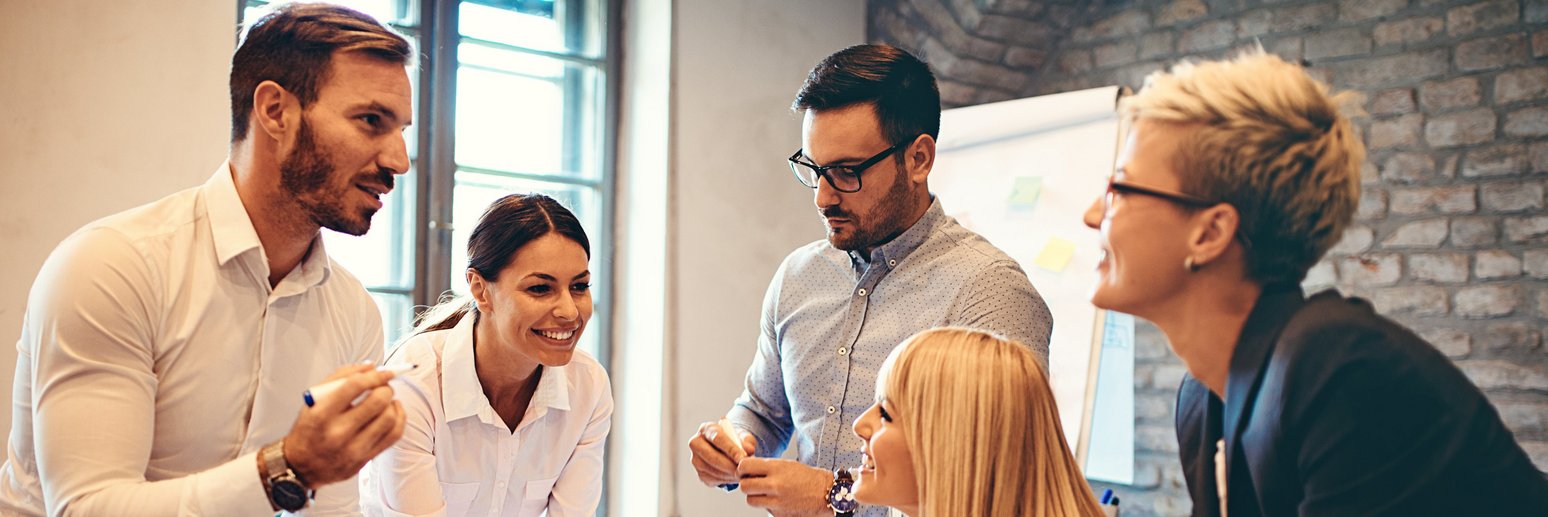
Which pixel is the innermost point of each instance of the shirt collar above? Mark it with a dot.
(905, 243)
(233, 233)
(230, 227)
(463, 396)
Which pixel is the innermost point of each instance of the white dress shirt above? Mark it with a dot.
(457, 456)
(155, 360)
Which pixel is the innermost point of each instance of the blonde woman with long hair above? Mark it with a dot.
(965, 425)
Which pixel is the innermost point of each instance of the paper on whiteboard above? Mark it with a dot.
(1022, 173)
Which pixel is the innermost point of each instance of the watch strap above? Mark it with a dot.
(273, 467)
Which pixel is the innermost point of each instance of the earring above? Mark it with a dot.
(1190, 265)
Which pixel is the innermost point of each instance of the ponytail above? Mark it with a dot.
(445, 314)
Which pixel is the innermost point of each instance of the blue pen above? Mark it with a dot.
(1107, 495)
(320, 391)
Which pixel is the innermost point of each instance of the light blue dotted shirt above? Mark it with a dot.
(831, 317)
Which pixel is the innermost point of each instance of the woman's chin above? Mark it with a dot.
(863, 490)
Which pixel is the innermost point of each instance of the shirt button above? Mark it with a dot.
(862, 291)
(832, 410)
(843, 350)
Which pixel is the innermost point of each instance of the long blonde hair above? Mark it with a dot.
(983, 428)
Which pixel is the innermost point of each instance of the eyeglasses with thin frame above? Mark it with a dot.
(843, 178)
(1115, 187)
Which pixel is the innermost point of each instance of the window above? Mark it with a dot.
(510, 96)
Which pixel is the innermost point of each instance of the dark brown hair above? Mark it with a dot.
(899, 85)
(294, 46)
(508, 224)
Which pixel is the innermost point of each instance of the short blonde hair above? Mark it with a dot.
(981, 422)
(1271, 141)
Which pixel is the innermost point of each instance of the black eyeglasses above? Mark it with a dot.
(1115, 187)
(843, 178)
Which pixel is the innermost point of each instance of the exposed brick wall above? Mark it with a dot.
(1451, 237)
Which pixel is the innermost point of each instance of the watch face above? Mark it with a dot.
(288, 494)
(841, 498)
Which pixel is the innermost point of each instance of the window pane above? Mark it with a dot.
(384, 256)
(535, 24)
(387, 11)
(397, 315)
(524, 113)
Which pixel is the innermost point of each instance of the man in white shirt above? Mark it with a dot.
(165, 349)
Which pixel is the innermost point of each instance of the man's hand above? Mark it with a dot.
(785, 487)
(716, 454)
(331, 441)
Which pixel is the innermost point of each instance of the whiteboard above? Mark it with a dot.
(1022, 174)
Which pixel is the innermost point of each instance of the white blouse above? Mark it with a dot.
(457, 457)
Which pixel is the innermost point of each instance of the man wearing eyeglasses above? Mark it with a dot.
(892, 264)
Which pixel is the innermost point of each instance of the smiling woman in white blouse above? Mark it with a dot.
(504, 415)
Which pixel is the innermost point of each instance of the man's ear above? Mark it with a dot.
(479, 288)
(920, 158)
(1213, 236)
(276, 111)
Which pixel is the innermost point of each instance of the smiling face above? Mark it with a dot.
(888, 196)
(540, 303)
(1144, 238)
(349, 143)
(886, 474)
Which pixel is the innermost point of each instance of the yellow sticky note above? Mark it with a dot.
(1024, 192)
(1056, 254)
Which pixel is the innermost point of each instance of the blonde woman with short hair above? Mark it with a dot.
(965, 425)
(1236, 178)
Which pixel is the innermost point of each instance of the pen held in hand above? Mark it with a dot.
(326, 389)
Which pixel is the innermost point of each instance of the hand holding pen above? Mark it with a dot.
(717, 448)
(334, 436)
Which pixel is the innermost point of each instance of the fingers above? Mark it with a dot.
(711, 476)
(347, 370)
(760, 501)
(755, 467)
(349, 387)
(724, 442)
(331, 447)
(714, 466)
(756, 486)
(749, 443)
(379, 434)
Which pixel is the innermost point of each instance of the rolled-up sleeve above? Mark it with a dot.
(763, 409)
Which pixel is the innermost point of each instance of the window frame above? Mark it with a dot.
(435, 166)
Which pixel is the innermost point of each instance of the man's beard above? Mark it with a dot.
(304, 174)
(882, 223)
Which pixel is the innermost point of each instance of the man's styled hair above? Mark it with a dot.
(294, 46)
(898, 84)
(982, 426)
(1269, 140)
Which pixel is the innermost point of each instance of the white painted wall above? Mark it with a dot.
(737, 209)
(108, 105)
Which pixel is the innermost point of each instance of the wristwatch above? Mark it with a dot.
(841, 496)
(286, 490)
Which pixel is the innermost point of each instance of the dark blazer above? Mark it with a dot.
(1331, 409)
